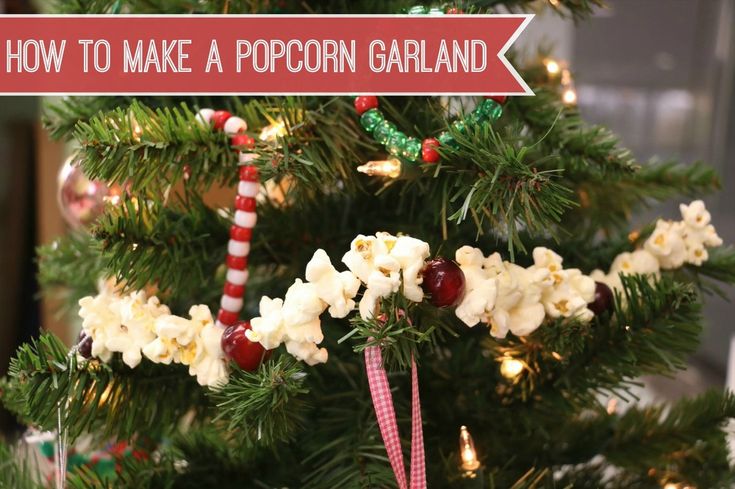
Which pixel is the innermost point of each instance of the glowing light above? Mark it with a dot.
(383, 168)
(272, 132)
(552, 66)
(467, 451)
(554, 3)
(510, 368)
(671, 485)
(612, 406)
(569, 96)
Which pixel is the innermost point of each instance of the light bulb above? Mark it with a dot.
(552, 66)
(383, 168)
(467, 451)
(510, 368)
(569, 96)
(272, 132)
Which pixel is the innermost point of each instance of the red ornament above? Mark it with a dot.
(242, 140)
(428, 150)
(501, 99)
(443, 281)
(84, 345)
(603, 299)
(365, 103)
(237, 347)
(219, 118)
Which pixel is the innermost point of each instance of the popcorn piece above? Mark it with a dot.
(667, 245)
(268, 329)
(637, 262)
(210, 364)
(335, 288)
(695, 214)
(480, 290)
(411, 254)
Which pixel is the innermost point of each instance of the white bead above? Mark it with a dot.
(246, 219)
(247, 157)
(248, 189)
(204, 116)
(238, 248)
(237, 277)
(234, 125)
(231, 304)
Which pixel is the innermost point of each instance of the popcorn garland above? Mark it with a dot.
(502, 295)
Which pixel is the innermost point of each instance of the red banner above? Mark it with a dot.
(263, 54)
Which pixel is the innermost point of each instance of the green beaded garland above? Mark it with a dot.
(384, 131)
(446, 139)
(411, 149)
(396, 143)
(459, 125)
(491, 109)
(436, 11)
(371, 119)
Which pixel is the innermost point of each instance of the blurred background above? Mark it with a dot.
(660, 73)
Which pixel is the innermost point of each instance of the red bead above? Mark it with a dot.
(428, 150)
(246, 354)
(237, 262)
(453, 11)
(240, 234)
(227, 317)
(219, 118)
(603, 299)
(501, 99)
(243, 203)
(249, 173)
(365, 103)
(187, 172)
(242, 140)
(234, 290)
(443, 281)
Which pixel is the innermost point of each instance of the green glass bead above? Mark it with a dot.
(491, 109)
(459, 125)
(396, 143)
(47, 449)
(371, 119)
(474, 118)
(436, 11)
(411, 149)
(384, 131)
(417, 10)
(446, 139)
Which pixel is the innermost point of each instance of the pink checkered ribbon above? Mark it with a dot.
(386, 415)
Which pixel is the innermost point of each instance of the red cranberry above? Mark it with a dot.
(238, 348)
(444, 282)
(603, 299)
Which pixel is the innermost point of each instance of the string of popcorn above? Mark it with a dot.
(499, 294)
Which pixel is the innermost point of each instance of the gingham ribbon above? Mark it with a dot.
(386, 415)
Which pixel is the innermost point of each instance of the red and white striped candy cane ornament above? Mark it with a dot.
(238, 247)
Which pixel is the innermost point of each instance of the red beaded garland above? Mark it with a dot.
(219, 118)
(227, 317)
(234, 290)
(428, 150)
(249, 173)
(365, 103)
(242, 140)
(245, 203)
(240, 234)
(246, 354)
(237, 262)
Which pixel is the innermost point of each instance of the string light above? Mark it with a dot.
(467, 452)
(272, 132)
(552, 66)
(510, 368)
(612, 406)
(569, 96)
(383, 168)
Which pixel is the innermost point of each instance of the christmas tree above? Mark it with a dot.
(456, 292)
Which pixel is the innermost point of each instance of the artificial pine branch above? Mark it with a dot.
(105, 399)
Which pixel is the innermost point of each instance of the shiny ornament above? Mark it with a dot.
(444, 282)
(428, 150)
(84, 345)
(219, 118)
(82, 200)
(501, 99)
(238, 348)
(603, 299)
